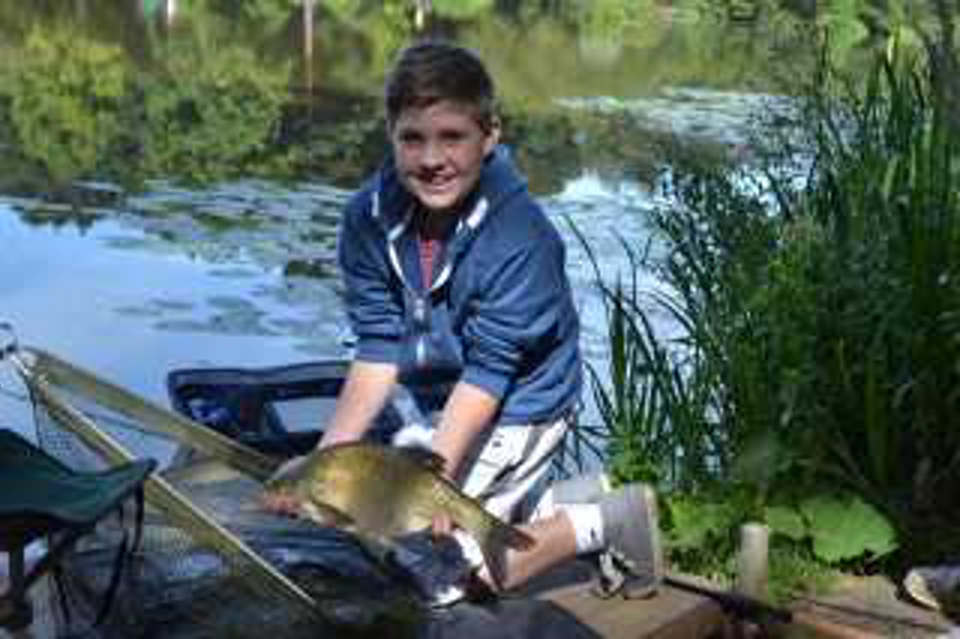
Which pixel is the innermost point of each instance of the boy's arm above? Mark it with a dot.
(376, 318)
(365, 391)
(468, 412)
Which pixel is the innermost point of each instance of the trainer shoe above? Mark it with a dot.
(633, 565)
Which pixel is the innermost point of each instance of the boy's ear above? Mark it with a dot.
(493, 135)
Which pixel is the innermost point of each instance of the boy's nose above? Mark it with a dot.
(433, 154)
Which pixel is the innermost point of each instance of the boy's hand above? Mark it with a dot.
(287, 504)
(442, 525)
(280, 504)
(283, 503)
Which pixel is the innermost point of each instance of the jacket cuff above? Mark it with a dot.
(375, 349)
(491, 381)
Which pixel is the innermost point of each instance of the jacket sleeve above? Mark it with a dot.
(373, 305)
(517, 321)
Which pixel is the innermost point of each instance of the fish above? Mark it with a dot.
(381, 492)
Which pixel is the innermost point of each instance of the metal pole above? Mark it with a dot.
(308, 44)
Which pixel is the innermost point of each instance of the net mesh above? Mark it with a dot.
(182, 580)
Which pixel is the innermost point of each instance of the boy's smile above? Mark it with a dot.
(439, 152)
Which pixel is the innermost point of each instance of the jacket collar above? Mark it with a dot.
(392, 203)
(393, 208)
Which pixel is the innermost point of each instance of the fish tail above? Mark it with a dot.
(492, 535)
(491, 531)
(503, 534)
(496, 538)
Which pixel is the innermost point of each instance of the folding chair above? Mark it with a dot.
(41, 497)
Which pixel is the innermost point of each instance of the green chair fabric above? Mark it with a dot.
(41, 496)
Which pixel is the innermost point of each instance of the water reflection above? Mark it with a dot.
(172, 173)
(264, 88)
(117, 297)
(163, 10)
(150, 288)
(692, 114)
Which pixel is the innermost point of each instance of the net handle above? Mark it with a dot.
(63, 374)
(161, 493)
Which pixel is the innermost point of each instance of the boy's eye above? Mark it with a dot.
(452, 137)
(410, 138)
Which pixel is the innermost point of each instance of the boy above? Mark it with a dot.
(456, 289)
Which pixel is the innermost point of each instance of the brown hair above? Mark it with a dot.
(435, 70)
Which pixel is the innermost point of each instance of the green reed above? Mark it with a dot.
(885, 197)
(819, 348)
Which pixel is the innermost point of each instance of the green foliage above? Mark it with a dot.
(68, 100)
(461, 8)
(701, 532)
(793, 570)
(538, 52)
(786, 521)
(213, 109)
(79, 108)
(840, 527)
(265, 12)
(809, 542)
(819, 338)
(886, 198)
(845, 528)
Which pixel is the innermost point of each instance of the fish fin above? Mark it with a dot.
(326, 513)
(378, 547)
(509, 535)
(424, 456)
(493, 546)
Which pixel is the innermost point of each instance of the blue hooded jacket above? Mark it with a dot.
(499, 312)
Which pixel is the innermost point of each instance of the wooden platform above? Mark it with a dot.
(672, 614)
(856, 608)
(869, 607)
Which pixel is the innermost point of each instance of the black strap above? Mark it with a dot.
(139, 499)
(61, 592)
(118, 561)
(124, 552)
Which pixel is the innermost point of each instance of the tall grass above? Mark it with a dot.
(820, 348)
(887, 361)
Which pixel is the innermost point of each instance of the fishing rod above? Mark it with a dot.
(734, 603)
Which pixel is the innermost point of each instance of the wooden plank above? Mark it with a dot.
(671, 614)
(872, 606)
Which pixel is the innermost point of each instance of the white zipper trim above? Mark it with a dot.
(393, 235)
(421, 352)
(472, 221)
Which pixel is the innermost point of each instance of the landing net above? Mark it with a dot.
(211, 563)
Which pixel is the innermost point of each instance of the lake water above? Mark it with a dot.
(174, 172)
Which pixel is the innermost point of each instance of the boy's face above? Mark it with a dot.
(439, 152)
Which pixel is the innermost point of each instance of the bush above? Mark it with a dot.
(820, 350)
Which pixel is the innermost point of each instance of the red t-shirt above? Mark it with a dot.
(429, 249)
